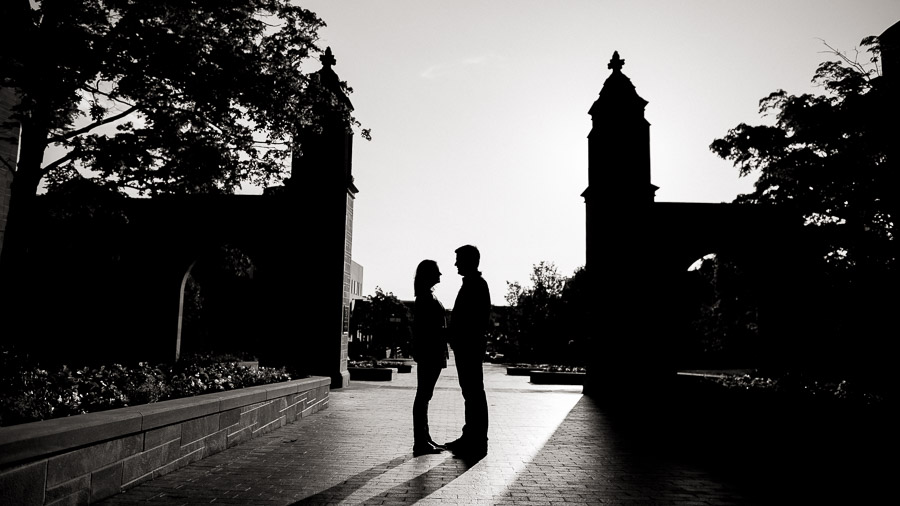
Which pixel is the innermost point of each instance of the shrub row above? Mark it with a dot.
(802, 388)
(30, 393)
(548, 367)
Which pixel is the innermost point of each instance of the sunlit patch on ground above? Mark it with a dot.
(522, 419)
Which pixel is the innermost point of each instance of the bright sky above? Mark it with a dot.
(478, 111)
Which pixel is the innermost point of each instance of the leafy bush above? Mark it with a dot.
(363, 363)
(30, 393)
(548, 367)
(798, 387)
(563, 368)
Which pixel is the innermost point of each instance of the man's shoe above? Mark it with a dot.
(471, 451)
(455, 444)
(437, 445)
(426, 448)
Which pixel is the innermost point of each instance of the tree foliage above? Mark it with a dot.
(161, 96)
(386, 320)
(547, 313)
(825, 156)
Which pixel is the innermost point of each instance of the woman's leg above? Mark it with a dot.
(426, 378)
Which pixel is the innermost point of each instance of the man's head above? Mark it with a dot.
(467, 259)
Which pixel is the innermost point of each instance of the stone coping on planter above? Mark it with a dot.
(557, 378)
(23, 442)
(401, 368)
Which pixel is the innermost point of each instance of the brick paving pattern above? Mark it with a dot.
(548, 445)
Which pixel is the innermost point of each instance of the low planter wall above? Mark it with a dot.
(557, 378)
(520, 371)
(372, 373)
(84, 458)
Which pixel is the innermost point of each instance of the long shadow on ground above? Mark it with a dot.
(695, 449)
(416, 488)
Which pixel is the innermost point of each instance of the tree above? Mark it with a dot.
(826, 158)
(387, 320)
(538, 310)
(575, 317)
(157, 96)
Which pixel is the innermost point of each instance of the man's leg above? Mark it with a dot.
(471, 382)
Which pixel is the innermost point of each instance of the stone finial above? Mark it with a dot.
(327, 58)
(616, 63)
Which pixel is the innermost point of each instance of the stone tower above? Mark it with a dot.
(321, 186)
(618, 200)
(619, 141)
(618, 161)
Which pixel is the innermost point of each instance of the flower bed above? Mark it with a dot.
(402, 366)
(29, 392)
(563, 368)
(523, 369)
(543, 374)
(795, 388)
(558, 375)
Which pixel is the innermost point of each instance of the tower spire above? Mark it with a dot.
(327, 58)
(616, 63)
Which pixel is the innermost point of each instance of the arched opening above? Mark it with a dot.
(699, 263)
(184, 282)
(724, 317)
(218, 305)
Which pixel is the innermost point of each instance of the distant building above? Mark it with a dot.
(358, 303)
(356, 282)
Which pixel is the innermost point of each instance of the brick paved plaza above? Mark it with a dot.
(548, 445)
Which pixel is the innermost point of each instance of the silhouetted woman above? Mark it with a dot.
(429, 351)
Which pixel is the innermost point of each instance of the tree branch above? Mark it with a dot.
(853, 63)
(63, 159)
(88, 128)
(94, 89)
(266, 144)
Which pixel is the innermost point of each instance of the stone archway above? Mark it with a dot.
(218, 303)
(181, 299)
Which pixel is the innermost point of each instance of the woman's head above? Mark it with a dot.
(427, 275)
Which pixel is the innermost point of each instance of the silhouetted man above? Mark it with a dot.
(469, 322)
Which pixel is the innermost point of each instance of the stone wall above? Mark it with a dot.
(85, 458)
(9, 150)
